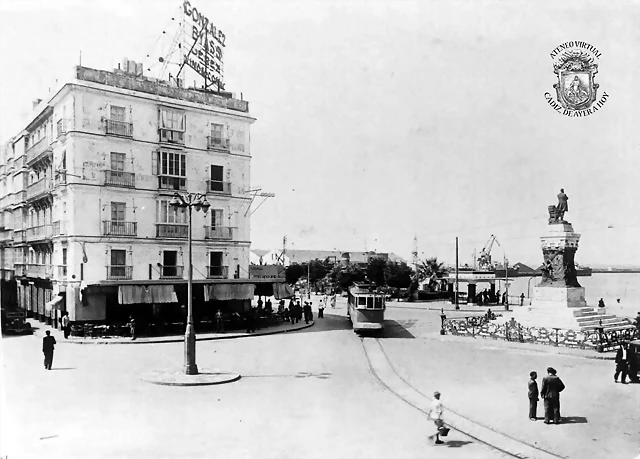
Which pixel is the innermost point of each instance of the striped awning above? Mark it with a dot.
(229, 292)
(146, 294)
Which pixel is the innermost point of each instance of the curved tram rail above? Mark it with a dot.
(365, 308)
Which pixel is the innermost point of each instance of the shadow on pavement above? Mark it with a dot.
(15, 335)
(328, 323)
(574, 420)
(394, 329)
(457, 443)
(65, 368)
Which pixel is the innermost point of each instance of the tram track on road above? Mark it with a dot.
(405, 391)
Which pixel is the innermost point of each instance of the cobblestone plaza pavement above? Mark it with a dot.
(310, 393)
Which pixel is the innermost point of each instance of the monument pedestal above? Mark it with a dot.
(554, 307)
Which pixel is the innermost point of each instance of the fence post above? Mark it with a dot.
(443, 317)
(600, 347)
(556, 329)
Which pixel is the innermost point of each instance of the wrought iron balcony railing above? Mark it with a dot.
(119, 272)
(171, 272)
(120, 178)
(217, 272)
(217, 143)
(119, 128)
(216, 186)
(220, 233)
(171, 136)
(171, 230)
(119, 228)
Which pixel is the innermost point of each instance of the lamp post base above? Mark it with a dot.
(190, 367)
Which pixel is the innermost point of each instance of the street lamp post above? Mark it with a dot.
(199, 202)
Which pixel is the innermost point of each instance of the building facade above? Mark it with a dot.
(85, 189)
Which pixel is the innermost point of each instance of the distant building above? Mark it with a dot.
(333, 256)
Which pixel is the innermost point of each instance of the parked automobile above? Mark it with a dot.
(15, 321)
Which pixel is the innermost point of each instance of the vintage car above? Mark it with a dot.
(14, 321)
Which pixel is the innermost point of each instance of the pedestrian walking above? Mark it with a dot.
(552, 385)
(48, 345)
(219, 322)
(521, 299)
(132, 328)
(321, 311)
(436, 414)
(307, 312)
(66, 325)
(533, 396)
(622, 363)
(298, 312)
(333, 301)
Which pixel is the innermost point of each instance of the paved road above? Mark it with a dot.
(486, 381)
(305, 394)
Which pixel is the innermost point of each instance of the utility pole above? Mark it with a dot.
(457, 285)
(506, 282)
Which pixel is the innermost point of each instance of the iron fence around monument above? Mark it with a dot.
(596, 339)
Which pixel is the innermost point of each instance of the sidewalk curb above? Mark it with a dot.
(171, 339)
(385, 374)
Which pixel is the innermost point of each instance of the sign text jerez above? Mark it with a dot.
(203, 46)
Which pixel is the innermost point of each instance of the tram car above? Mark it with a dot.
(365, 308)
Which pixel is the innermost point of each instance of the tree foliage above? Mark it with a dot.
(294, 272)
(344, 276)
(398, 275)
(376, 271)
(431, 269)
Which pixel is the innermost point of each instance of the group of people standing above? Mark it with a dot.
(626, 364)
(552, 385)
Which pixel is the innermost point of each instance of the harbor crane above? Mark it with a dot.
(484, 260)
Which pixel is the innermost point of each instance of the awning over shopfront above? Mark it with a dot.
(282, 291)
(135, 294)
(228, 292)
(54, 303)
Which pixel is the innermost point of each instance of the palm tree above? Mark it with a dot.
(431, 269)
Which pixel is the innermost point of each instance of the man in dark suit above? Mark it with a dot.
(48, 344)
(551, 387)
(622, 363)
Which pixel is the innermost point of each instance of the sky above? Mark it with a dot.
(381, 121)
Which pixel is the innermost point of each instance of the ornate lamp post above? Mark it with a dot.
(199, 202)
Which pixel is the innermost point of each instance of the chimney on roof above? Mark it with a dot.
(35, 103)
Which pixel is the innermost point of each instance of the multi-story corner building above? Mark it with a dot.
(87, 225)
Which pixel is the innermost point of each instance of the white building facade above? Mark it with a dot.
(85, 191)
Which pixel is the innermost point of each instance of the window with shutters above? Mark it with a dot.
(171, 169)
(118, 268)
(172, 125)
(117, 161)
(118, 211)
(218, 139)
(118, 113)
(171, 214)
(216, 218)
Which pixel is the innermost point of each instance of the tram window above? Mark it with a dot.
(362, 301)
(370, 302)
(378, 303)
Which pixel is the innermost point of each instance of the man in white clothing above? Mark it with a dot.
(436, 414)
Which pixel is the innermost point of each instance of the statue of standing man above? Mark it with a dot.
(563, 205)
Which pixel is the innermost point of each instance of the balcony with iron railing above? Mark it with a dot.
(119, 128)
(171, 272)
(119, 272)
(119, 228)
(220, 233)
(217, 143)
(171, 136)
(120, 178)
(171, 230)
(216, 186)
(39, 270)
(39, 150)
(217, 272)
(62, 271)
(38, 233)
(40, 188)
